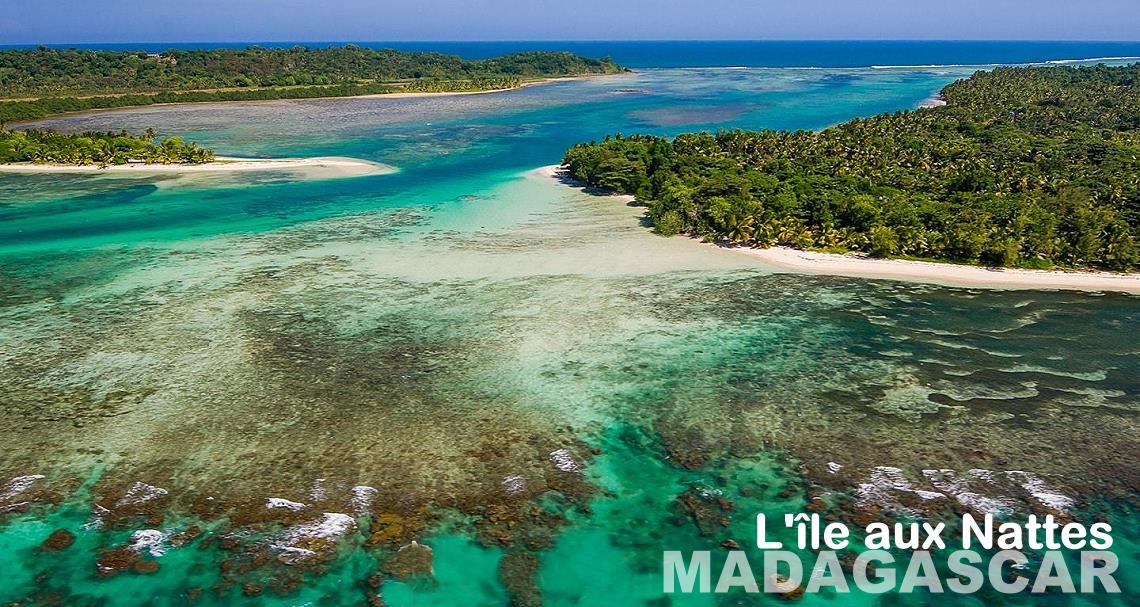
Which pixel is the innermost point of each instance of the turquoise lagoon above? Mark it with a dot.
(269, 385)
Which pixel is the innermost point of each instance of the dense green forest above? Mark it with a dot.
(1032, 167)
(102, 149)
(45, 81)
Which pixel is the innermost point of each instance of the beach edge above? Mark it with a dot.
(326, 166)
(861, 265)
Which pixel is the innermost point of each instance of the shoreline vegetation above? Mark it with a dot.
(43, 82)
(862, 265)
(318, 166)
(1028, 167)
(40, 151)
(100, 149)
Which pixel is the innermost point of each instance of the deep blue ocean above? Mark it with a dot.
(742, 53)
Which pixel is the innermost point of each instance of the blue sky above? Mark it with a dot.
(62, 21)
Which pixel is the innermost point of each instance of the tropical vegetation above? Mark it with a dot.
(1023, 166)
(45, 81)
(102, 149)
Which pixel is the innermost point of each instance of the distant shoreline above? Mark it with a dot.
(408, 95)
(861, 265)
(459, 93)
(324, 166)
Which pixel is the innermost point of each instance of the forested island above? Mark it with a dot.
(95, 148)
(1032, 167)
(46, 81)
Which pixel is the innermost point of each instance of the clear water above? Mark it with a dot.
(513, 372)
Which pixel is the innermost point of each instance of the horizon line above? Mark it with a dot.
(571, 40)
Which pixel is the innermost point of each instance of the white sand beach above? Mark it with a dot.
(936, 101)
(861, 265)
(318, 167)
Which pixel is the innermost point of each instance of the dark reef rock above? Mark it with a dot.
(515, 523)
(412, 560)
(60, 539)
(145, 567)
(182, 538)
(519, 573)
(707, 509)
(393, 529)
(113, 561)
(787, 590)
(687, 447)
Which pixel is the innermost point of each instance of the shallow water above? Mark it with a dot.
(642, 54)
(467, 354)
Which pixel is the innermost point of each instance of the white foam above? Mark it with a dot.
(293, 556)
(564, 461)
(981, 473)
(833, 467)
(966, 489)
(963, 65)
(19, 485)
(708, 493)
(140, 493)
(151, 541)
(279, 502)
(1043, 493)
(986, 505)
(514, 484)
(884, 481)
(969, 489)
(97, 514)
(930, 66)
(317, 491)
(331, 526)
(362, 497)
(1068, 61)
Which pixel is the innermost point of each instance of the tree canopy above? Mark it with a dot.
(50, 70)
(97, 148)
(45, 81)
(1025, 166)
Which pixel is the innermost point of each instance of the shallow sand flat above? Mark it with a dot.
(255, 102)
(317, 167)
(459, 93)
